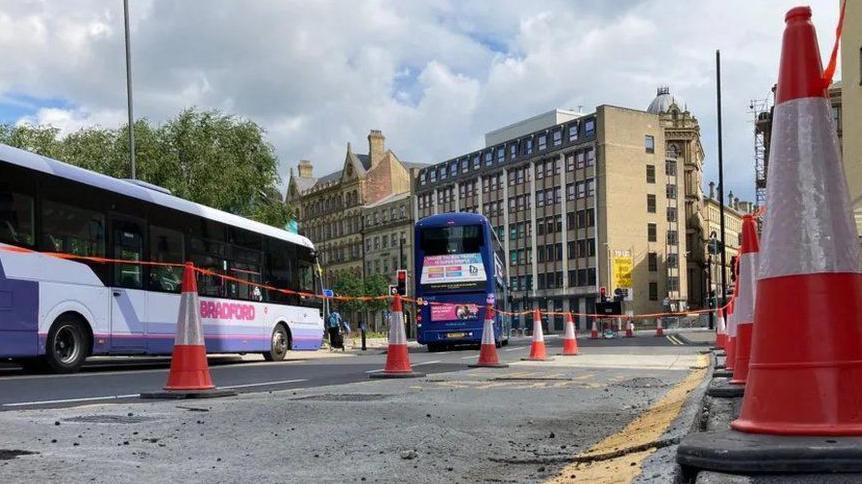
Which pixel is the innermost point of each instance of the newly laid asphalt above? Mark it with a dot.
(110, 379)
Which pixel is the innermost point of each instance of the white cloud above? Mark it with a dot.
(434, 76)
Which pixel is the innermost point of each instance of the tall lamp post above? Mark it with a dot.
(129, 92)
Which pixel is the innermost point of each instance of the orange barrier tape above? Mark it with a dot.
(308, 295)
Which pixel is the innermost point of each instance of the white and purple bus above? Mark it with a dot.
(60, 311)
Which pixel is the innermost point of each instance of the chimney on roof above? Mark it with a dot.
(376, 146)
(711, 189)
(305, 169)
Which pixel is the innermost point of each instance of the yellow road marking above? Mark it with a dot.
(648, 427)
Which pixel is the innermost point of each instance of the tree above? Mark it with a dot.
(348, 284)
(208, 157)
(377, 285)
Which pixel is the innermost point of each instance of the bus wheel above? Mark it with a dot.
(279, 344)
(67, 345)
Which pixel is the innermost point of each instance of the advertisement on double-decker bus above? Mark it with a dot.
(453, 271)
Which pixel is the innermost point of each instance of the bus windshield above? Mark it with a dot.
(453, 258)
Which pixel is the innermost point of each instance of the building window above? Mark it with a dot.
(513, 151)
(653, 291)
(528, 146)
(650, 203)
(476, 162)
(672, 237)
(501, 154)
(591, 187)
(570, 162)
(558, 137)
(670, 168)
(671, 214)
(671, 191)
(591, 157)
(652, 261)
(589, 127)
(673, 284)
(581, 187)
(573, 132)
(465, 165)
(543, 141)
(433, 174)
(489, 158)
(650, 173)
(673, 261)
(442, 173)
(422, 178)
(649, 143)
(651, 233)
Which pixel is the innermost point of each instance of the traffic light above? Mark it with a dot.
(402, 282)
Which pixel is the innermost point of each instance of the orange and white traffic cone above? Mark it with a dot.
(746, 290)
(630, 329)
(488, 357)
(808, 336)
(594, 332)
(659, 331)
(806, 350)
(397, 355)
(537, 349)
(720, 330)
(189, 376)
(570, 342)
(730, 345)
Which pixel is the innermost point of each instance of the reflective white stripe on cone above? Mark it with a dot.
(721, 330)
(538, 352)
(397, 355)
(630, 329)
(659, 331)
(488, 356)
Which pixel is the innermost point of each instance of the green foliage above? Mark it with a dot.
(350, 285)
(208, 157)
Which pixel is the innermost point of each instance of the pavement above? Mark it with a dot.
(612, 414)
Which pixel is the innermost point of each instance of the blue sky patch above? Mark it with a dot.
(14, 106)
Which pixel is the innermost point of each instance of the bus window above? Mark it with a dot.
(206, 254)
(16, 218)
(280, 266)
(128, 244)
(465, 239)
(72, 230)
(246, 267)
(166, 245)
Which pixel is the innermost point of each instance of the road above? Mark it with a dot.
(125, 378)
(611, 414)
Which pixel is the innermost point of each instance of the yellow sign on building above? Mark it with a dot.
(623, 265)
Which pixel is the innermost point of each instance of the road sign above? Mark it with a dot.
(393, 290)
(328, 293)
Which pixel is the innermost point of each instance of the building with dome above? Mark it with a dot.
(582, 202)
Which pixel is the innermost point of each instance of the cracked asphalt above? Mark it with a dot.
(591, 416)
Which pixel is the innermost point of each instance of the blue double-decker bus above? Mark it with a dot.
(459, 269)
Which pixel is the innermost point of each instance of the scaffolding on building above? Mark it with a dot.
(762, 113)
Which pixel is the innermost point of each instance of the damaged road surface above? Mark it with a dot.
(600, 417)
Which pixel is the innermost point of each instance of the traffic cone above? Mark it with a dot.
(721, 330)
(630, 329)
(659, 331)
(537, 349)
(570, 342)
(397, 356)
(594, 332)
(488, 353)
(189, 376)
(730, 345)
(808, 338)
(746, 290)
(804, 373)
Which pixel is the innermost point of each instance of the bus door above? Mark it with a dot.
(128, 295)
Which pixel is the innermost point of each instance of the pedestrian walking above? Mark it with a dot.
(334, 329)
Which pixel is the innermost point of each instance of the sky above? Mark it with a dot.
(434, 76)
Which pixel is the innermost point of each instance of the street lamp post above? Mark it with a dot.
(129, 92)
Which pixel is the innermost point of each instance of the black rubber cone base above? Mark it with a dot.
(537, 359)
(488, 365)
(732, 452)
(564, 354)
(405, 374)
(187, 394)
(722, 388)
(722, 373)
(720, 353)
